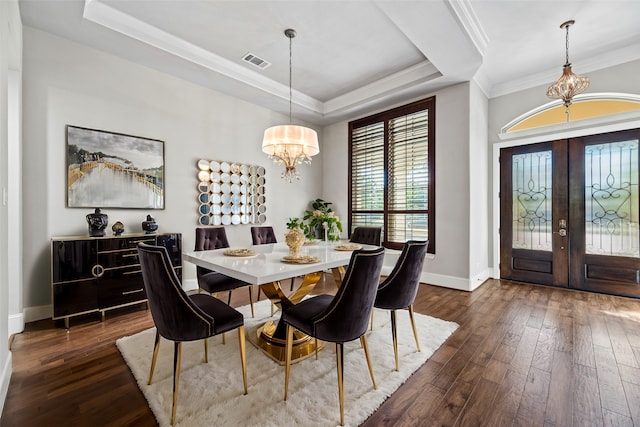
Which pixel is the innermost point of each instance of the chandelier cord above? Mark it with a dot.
(290, 82)
(567, 45)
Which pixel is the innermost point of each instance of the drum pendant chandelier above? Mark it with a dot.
(569, 84)
(290, 144)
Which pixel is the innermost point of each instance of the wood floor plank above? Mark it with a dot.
(535, 396)
(559, 411)
(586, 397)
(611, 391)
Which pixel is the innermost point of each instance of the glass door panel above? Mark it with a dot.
(532, 195)
(611, 199)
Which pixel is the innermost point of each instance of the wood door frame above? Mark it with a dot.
(611, 123)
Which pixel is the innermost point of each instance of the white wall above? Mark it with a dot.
(10, 62)
(479, 206)
(68, 83)
(455, 142)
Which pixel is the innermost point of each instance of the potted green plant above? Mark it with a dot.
(322, 222)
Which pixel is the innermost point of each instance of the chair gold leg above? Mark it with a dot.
(206, 351)
(371, 325)
(229, 299)
(316, 344)
(287, 368)
(243, 356)
(177, 356)
(413, 325)
(251, 301)
(340, 366)
(156, 347)
(224, 338)
(363, 341)
(394, 334)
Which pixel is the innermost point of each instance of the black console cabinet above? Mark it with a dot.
(96, 274)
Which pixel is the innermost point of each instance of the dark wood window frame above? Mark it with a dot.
(386, 118)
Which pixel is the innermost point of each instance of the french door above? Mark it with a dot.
(569, 213)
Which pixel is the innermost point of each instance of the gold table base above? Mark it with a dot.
(271, 337)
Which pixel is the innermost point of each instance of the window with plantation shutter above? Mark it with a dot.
(391, 173)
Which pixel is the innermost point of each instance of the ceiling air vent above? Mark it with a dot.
(258, 62)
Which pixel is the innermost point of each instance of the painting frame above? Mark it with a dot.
(113, 170)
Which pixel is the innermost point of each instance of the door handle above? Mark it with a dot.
(562, 228)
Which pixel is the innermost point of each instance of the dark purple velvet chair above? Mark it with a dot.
(366, 235)
(179, 317)
(208, 238)
(399, 289)
(340, 318)
(263, 234)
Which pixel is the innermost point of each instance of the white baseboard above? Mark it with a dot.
(16, 323)
(460, 283)
(4, 380)
(31, 314)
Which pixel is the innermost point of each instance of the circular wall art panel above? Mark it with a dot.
(204, 197)
(230, 193)
(205, 209)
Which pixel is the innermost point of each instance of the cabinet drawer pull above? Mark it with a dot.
(132, 292)
(130, 255)
(131, 272)
(97, 270)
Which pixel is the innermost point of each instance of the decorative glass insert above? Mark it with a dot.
(531, 186)
(611, 199)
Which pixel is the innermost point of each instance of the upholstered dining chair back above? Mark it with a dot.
(262, 235)
(399, 289)
(366, 235)
(209, 238)
(347, 317)
(176, 317)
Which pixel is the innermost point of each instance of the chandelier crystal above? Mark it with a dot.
(289, 144)
(569, 84)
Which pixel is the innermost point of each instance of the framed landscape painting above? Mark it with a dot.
(113, 170)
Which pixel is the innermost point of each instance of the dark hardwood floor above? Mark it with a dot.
(523, 355)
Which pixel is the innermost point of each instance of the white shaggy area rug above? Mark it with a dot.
(210, 394)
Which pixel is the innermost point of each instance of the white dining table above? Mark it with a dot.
(266, 268)
(267, 265)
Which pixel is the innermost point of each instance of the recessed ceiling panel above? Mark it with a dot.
(340, 46)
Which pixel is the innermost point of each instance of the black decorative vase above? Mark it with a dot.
(150, 225)
(97, 223)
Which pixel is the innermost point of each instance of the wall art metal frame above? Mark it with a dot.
(230, 193)
(113, 170)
